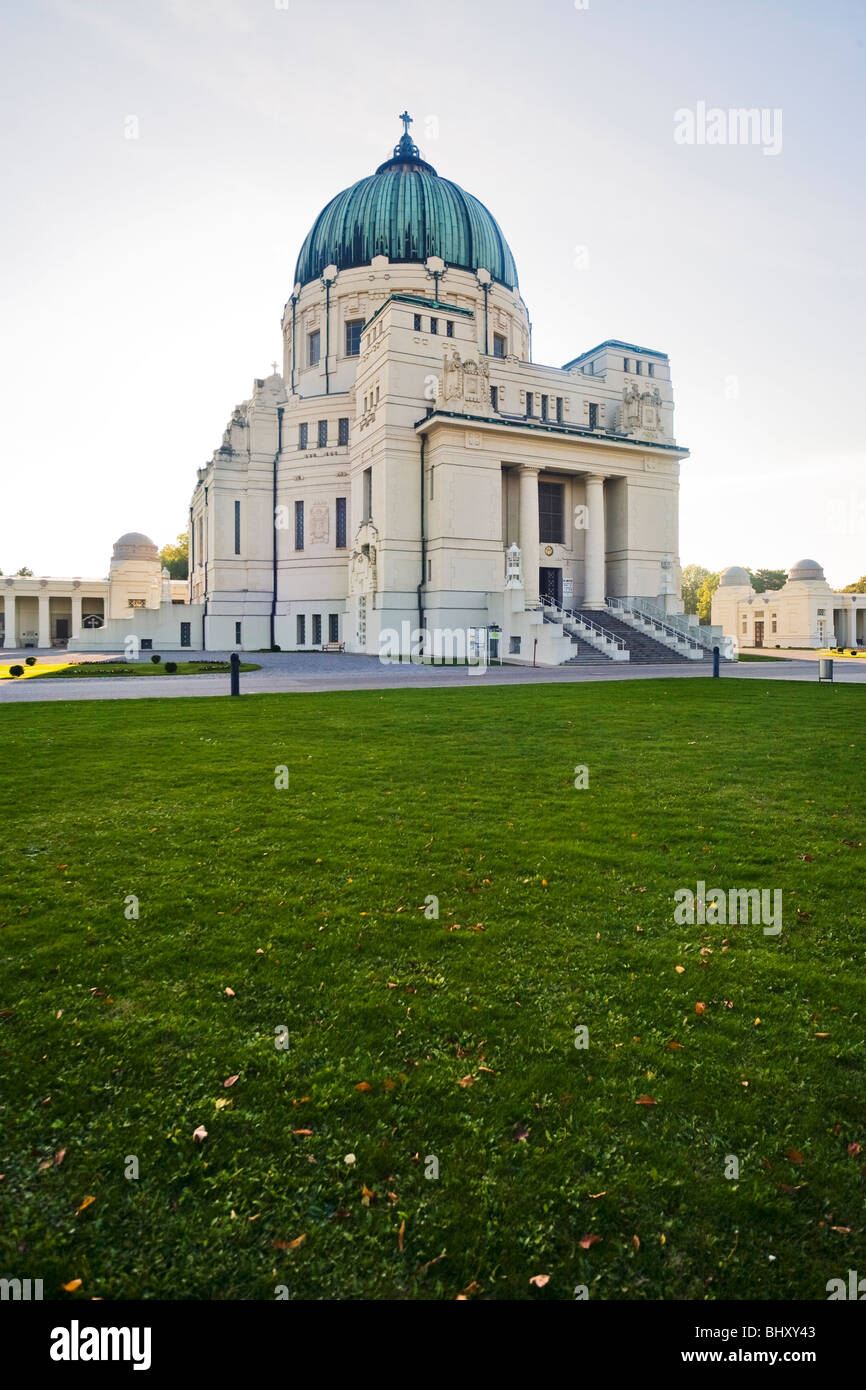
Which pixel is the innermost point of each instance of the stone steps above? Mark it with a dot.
(644, 650)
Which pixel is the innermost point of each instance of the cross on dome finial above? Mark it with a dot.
(407, 121)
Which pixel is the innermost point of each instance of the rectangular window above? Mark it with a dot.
(625, 362)
(774, 624)
(494, 397)
(343, 430)
(367, 506)
(185, 634)
(434, 325)
(301, 630)
(333, 627)
(340, 541)
(544, 407)
(530, 405)
(147, 644)
(353, 337)
(237, 634)
(650, 369)
(449, 328)
(559, 405)
(299, 525)
(638, 366)
(499, 345)
(551, 512)
(303, 432)
(317, 629)
(314, 351)
(514, 646)
(237, 528)
(429, 571)
(323, 434)
(593, 415)
(417, 323)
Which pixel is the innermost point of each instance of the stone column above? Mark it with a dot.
(76, 618)
(44, 638)
(10, 634)
(528, 530)
(593, 565)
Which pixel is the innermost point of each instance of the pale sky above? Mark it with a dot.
(143, 280)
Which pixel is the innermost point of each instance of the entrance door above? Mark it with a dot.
(61, 629)
(759, 633)
(550, 584)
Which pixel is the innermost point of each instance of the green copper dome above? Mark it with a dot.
(406, 212)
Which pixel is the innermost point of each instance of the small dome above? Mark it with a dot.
(134, 546)
(735, 574)
(806, 569)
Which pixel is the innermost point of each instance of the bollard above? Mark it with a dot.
(825, 669)
(715, 661)
(235, 664)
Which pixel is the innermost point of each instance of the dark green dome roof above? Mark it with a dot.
(406, 212)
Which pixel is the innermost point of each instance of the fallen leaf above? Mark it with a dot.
(586, 1242)
(400, 1235)
(680, 969)
(795, 1155)
(854, 1149)
(88, 1201)
(363, 1086)
(645, 1100)
(302, 1131)
(230, 992)
(59, 1156)
(539, 1280)
(700, 1007)
(843, 1230)
(675, 1046)
(636, 1242)
(72, 1286)
(200, 1134)
(466, 1081)
(230, 1080)
(367, 1195)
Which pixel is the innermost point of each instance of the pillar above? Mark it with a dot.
(528, 530)
(44, 638)
(594, 554)
(75, 632)
(10, 637)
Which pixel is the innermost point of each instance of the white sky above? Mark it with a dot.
(143, 280)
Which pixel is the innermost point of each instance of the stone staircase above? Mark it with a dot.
(584, 654)
(645, 650)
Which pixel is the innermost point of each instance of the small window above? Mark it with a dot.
(301, 630)
(323, 434)
(638, 366)
(314, 353)
(340, 541)
(343, 430)
(625, 362)
(650, 369)
(367, 494)
(434, 325)
(317, 629)
(353, 337)
(299, 525)
(773, 624)
(147, 644)
(559, 408)
(544, 407)
(530, 405)
(333, 627)
(185, 634)
(237, 528)
(429, 571)
(417, 323)
(449, 328)
(303, 432)
(514, 646)
(494, 397)
(499, 345)
(822, 612)
(237, 634)
(593, 415)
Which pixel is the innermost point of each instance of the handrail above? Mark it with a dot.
(659, 623)
(676, 621)
(575, 616)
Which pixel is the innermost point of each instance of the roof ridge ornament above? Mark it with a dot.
(406, 147)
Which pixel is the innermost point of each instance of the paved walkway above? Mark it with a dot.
(317, 671)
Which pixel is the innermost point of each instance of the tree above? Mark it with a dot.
(24, 572)
(692, 578)
(175, 558)
(858, 587)
(762, 580)
(705, 596)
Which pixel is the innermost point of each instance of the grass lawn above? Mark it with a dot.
(411, 1037)
(140, 668)
(752, 656)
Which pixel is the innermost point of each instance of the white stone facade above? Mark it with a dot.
(805, 613)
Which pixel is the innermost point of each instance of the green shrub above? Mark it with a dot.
(170, 668)
(16, 670)
(30, 660)
(156, 658)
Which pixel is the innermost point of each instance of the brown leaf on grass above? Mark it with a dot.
(230, 992)
(88, 1201)
(302, 1131)
(72, 1286)
(645, 1100)
(807, 858)
(795, 1155)
(820, 1035)
(200, 1134)
(367, 1195)
(539, 1280)
(843, 1230)
(59, 1156)
(363, 1086)
(700, 1007)
(587, 1242)
(765, 1163)
(389, 1084)
(46, 1163)
(594, 1196)
(854, 1149)
(674, 1046)
(520, 1134)
(636, 1242)
(680, 969)
(786, 1187)
(288, 1244)
(466, 1081)
(803, 916)
(302, 1101)
(400, 1235)
(230, 1080)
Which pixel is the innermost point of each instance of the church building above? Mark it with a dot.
(409, 468)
